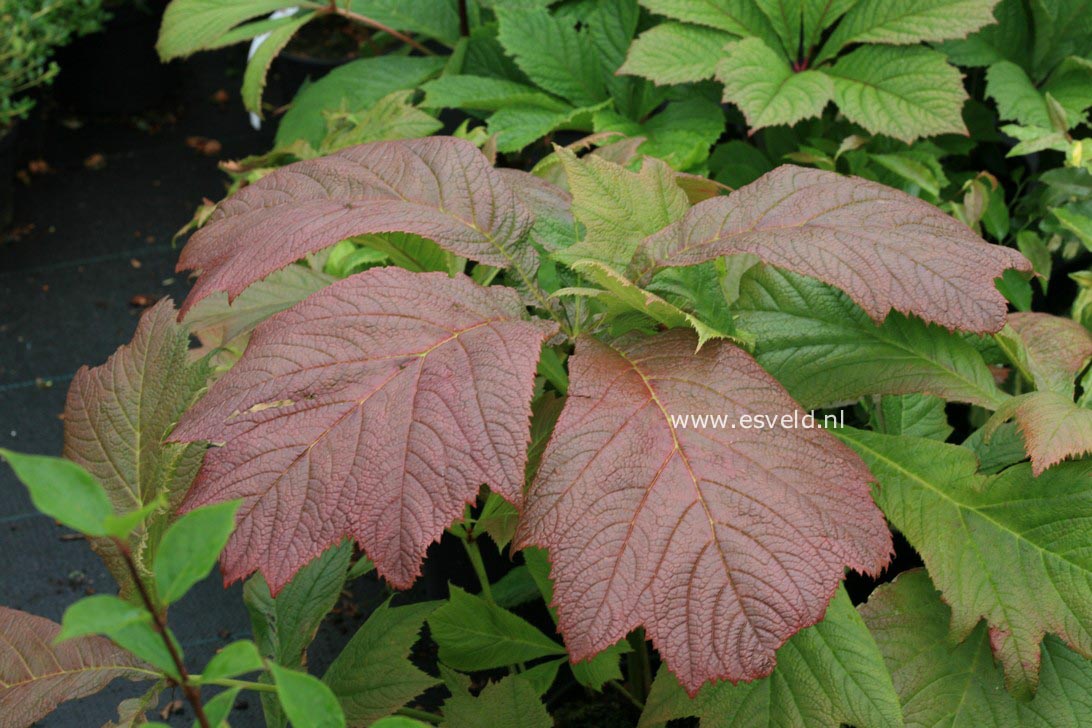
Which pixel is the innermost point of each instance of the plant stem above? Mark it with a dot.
(422, 715)
(626, 694)
(365, 20)
(244, 684)
(475, 555)
(640, 669)
(193, 695)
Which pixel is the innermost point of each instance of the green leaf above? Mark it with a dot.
(353, 87)
(680, 135)
(235, 659)
(194, 25)
(117, 417)
(1019, 99)
(762, 84)
(671, 53)
(618, 208)
(1008, 39)
(476, 635)
(941, 682)
(905, 22)
(436, 19)
(392, 117)
(517, 126)
(552, 53)
(1076, 223)
(511, 703)
(515, 588)
(818, 16)
(827, 675)
(1054, 427)
(284, 625)
(1009, 548)
(912, 169)
(219, 707)
(306, 699)
(1004, 447)
(485, 94)
(826, 350)
(543, 675)
(190, 547)
(904, 93)
(63, 490)
(99, 614)
(373, 677)
(257, 67)
(1060, 28)
(738, 17)
(917, 415)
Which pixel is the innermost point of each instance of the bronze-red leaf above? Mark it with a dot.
(375, 409)
(722, 541)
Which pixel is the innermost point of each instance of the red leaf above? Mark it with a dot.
(441, 188)
(375, 408)
(883, 247)
(36, 676)
(723, 542)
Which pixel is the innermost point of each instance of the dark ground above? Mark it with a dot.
(85, 241)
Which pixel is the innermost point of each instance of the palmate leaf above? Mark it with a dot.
(829, 674)
(36, 675)
(885, 249)
(825, 350)
(1009, 548)
(116, 419)
(721, 542)
(941, 682)
(440, 188)
(374, 409)
(766, 89)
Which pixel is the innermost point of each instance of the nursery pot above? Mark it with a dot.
(7, 174)
(118, 70)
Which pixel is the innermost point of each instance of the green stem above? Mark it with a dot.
(475, 555)
(640, 668)
(244, 684)
(421, 715)
(626, 694)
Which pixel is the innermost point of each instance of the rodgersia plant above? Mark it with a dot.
(493, 329)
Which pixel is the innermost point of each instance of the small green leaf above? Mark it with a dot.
(476, 635)
(511, 703)
(306, 699)
(258, 65)
(63, 490)
(190, 547)
(238, 658)
(219, 707)
(99, 614)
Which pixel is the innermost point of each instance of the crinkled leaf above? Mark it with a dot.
(825, 349)
(917, 415)
(761, 83)
(36, 675)
(1009, 548)
(906, 22)
(618, 208)
(942, 682)
(513, 702)
(671, 53)
(116, 418)
(723, 543)
(1054, 427)
(473, 634)
(829, 674)
(374, 409)
(904, 93)
(352, 87)
(392, 117)
(441, 188)
(373, 677)
(884, 248)
(1052, 349)
(738, 17)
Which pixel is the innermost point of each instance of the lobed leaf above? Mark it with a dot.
(765, 87)
(36, 675)
(885, 249)
(440, 188)
(1054, 427)
(722, 542)
(374, 409)
(941, 682)
(1052, 349)
(513, 702)
(1010, 548)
